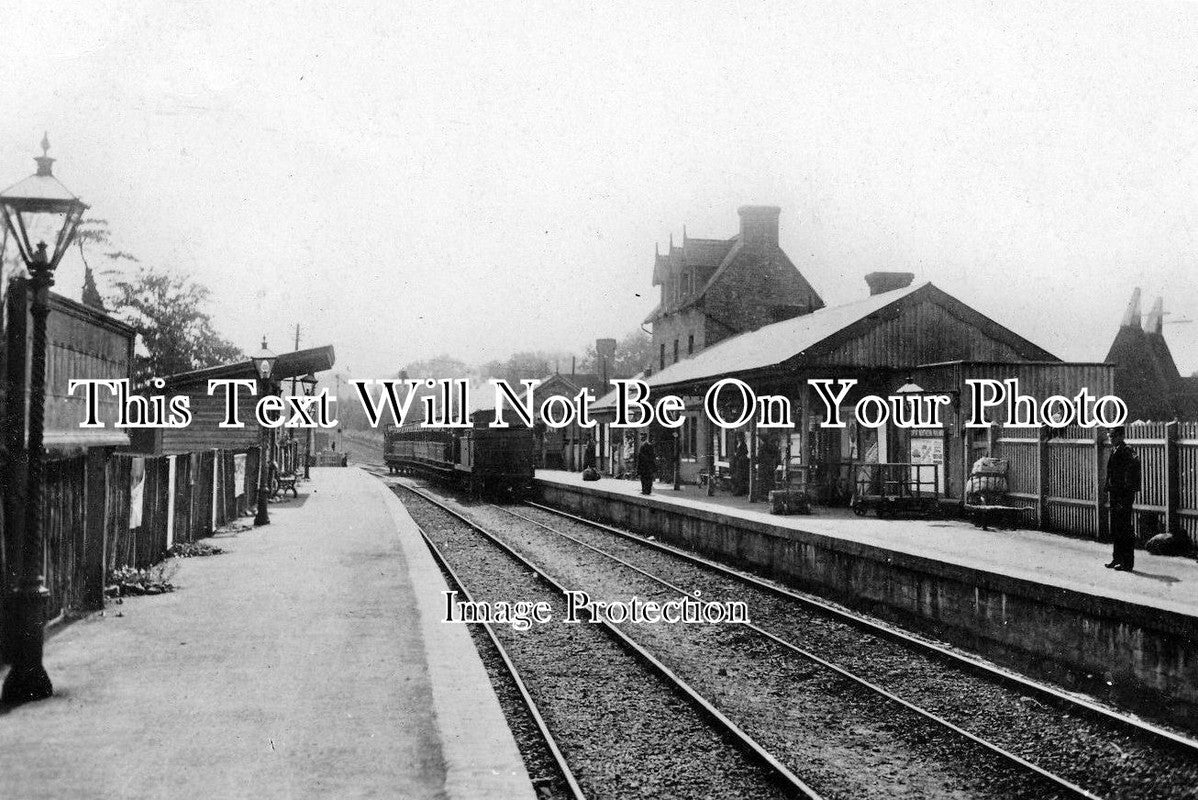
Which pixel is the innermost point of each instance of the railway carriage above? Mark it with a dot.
(479, 458)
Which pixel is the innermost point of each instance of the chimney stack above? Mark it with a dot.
(759, 225)
(880, 282)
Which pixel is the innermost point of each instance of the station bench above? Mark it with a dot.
(283, 482)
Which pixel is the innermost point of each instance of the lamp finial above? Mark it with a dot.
(44, 161)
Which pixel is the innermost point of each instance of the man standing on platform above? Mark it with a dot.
(1122, 484)
(767, 464)
(646, 466)
(740, 467)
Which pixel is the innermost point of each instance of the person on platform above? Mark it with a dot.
(646, 466)
(767, 463)
(589, 473)
(1122, 484)
(740, 467)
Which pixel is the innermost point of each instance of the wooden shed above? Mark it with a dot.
(204, 432)
(81, 342)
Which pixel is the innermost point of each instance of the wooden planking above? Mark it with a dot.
(922, 333)
(205, 433)
(63, 506)
(1071, 469)
(85, 517)
(1075, 467)
(81, 343)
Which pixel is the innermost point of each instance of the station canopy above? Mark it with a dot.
(289, 365)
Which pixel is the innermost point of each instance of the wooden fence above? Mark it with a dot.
(92, 524)
(1061, 477)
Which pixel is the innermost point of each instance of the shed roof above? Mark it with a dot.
(773, 344)
(794, 338)
(289, 365)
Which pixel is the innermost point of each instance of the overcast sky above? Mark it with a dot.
(483, 178)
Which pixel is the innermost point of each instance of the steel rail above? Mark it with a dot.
(1002, 753)
(1040, 690)
(779, 771)
(542, 726)
(995, 673)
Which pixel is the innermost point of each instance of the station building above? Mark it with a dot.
(712, 289)
(899, 337)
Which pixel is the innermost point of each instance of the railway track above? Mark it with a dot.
(1069, 788)
(646, 681)
(1044, 785)
(1163, 763)
(1169, 752)
(1057, 697)
(569, 786)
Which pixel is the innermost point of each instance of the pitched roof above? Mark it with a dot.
(723, 254)
(574, 383)
(1146, 376)
(694, 252)
(774, 344)
(609, 400)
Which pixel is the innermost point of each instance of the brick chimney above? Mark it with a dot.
(888, 281)
(759, 225)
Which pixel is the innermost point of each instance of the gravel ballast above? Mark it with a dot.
(1103, 757)
(623, 730)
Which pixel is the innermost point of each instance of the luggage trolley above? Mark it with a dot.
(897, 489)
(987, 501)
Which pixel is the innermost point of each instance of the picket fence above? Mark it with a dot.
(1061, 477)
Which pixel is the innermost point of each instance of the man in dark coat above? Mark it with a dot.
(740, 467)
(767, 463)
(589, 473)
(646, 466)
(1122, 484)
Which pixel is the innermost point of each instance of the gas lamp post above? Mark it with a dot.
(264, 364)
(35, 210)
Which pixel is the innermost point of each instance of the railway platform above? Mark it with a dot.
(1022, 597)
(308, 660)
(1168, 583)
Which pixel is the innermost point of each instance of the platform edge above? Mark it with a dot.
(481, 756)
